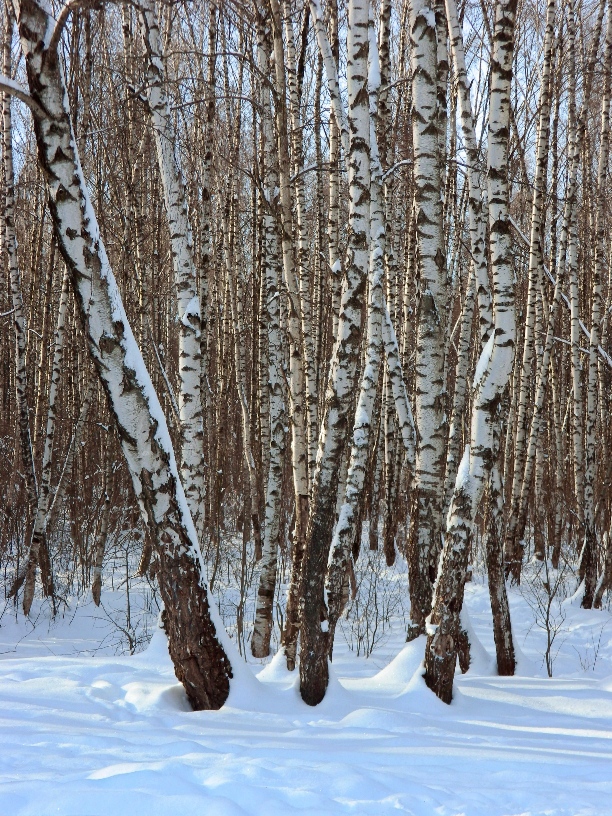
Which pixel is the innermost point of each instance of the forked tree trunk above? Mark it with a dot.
(314, 670)
(200, 661)
(348, 516)
(491, 379)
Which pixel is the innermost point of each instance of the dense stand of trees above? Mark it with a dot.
(315, 276)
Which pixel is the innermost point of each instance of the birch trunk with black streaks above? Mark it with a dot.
(9, 241)
(38, 540)
(349, 517)
(185, 271)
(298, 413)
(588, 557)
(430, 387)
(513, 546)
(260, 643)
(314, 671)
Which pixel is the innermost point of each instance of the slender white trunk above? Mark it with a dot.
(185, 272)
(9, 240)
(588, 558)
(40, 521)
(513, 545)
(349, 516)
(430, 386)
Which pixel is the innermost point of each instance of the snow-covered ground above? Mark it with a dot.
(87, 733)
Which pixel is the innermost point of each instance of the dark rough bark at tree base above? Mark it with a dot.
(443, 642)
(314, 652)
(200, 663)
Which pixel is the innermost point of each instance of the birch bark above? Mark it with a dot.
(297, 386)
(40, 520)
(513, 545)
(349, 516)
(9, 240)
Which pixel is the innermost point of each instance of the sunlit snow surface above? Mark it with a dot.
(114, 736)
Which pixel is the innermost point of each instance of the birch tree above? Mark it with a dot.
(200, 660)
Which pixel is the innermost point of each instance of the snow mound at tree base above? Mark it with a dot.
(93, 736)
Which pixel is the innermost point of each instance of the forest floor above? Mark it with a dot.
(85, 732)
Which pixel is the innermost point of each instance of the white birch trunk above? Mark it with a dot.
(513, 546)
(297, 380)
(185, 272)
(344, 535)
(9, 240)
(40, 520)
(431, 317)
(588, 558)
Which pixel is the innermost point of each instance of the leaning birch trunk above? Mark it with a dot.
(262, 629)
(185, 272)
(429, 377)
(314, 670)
(588, 556)
(40, 521)
(491, 379)
(200, 661)
(9, 240)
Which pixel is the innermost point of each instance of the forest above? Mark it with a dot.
(305, 320)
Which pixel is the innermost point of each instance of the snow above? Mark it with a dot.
(87, 735)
